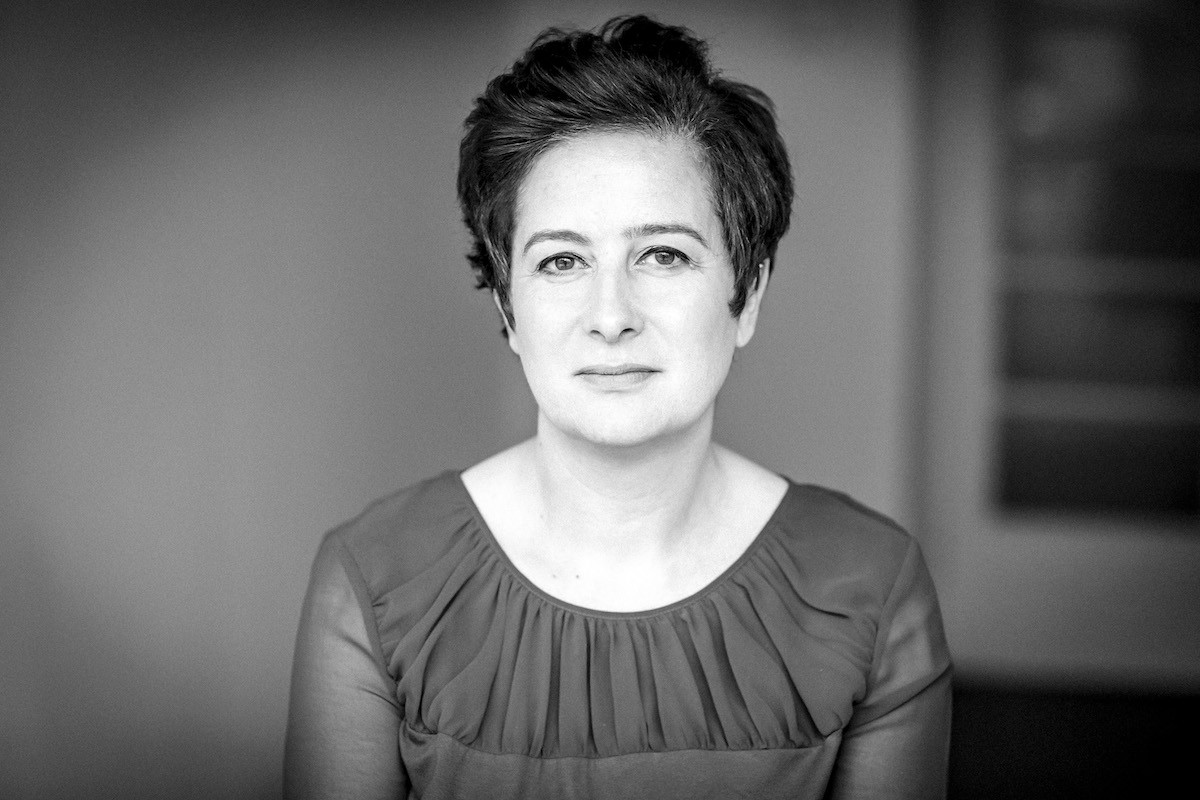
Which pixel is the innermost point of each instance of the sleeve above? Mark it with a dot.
(897, 743)
(343, 718)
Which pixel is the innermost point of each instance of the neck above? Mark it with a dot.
(627, 500)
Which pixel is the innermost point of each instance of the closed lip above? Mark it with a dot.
(614, 369)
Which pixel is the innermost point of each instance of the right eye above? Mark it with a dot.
(558, 264)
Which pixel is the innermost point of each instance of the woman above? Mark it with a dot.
(620, 607)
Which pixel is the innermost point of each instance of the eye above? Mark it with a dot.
(558, 264)
(665, 257)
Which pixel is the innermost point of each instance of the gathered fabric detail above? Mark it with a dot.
(759, 659)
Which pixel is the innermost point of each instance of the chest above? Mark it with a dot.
(496, 666)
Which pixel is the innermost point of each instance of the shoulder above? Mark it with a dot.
(843, 546)
(829, 514)
(401, 534)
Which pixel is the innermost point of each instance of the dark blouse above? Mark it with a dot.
(428, 666)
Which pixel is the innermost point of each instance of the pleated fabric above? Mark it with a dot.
(773, 655)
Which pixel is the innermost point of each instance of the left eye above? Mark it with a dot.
(665, 258)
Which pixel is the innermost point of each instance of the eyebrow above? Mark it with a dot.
(636, 232)
(661, 228)
(561, 235)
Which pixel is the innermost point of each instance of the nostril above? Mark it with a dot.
(613, 311)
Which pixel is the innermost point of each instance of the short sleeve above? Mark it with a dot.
(898, 739)
(343, 717)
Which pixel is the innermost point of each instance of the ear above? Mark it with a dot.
(509, 333)
(748, 319)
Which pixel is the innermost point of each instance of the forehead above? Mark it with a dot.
(618, 178)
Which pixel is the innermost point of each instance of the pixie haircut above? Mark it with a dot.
(633, 74)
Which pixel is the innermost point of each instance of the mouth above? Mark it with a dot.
(616, 369)
(616, 377)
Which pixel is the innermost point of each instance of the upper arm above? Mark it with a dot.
(897, 742)
(343, 717)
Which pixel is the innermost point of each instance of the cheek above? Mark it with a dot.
(706, 341)
(539, 330)
(709, 323)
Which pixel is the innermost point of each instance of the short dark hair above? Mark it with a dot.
(633, 74)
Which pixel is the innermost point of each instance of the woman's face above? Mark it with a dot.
(620, 289)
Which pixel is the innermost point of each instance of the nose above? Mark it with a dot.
(613, 312)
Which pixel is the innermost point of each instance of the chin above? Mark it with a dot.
(617, 428)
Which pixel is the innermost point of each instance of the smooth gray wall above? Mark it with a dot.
(234, 308)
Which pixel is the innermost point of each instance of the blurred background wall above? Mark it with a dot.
(1060, 461)
(234, 308)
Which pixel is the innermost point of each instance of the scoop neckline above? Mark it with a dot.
(493, 544)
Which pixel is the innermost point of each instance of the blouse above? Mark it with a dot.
(427, 666)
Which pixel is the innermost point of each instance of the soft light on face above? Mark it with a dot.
(620, 289)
